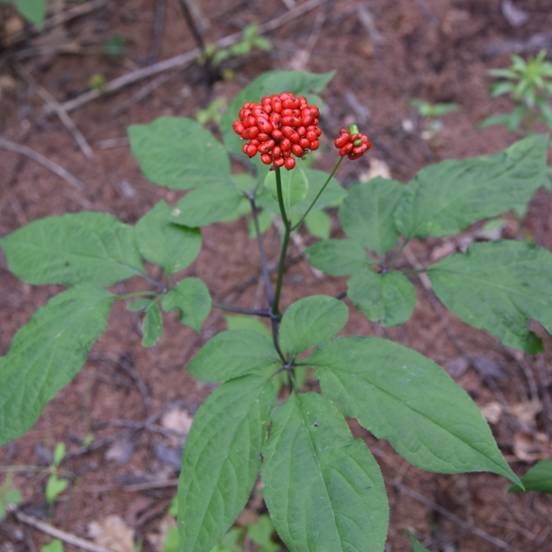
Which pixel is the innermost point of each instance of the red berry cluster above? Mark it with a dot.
(351, 143)
(280, 126)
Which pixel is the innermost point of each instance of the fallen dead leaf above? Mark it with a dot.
(492, 411)
(377, 168)
(531, 446)
(526, 412)
(112, 533)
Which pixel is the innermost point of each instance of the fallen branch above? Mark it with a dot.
(63, 116)
(58, 170)
(182, 60)
(48, 529)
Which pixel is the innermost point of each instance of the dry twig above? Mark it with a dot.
(58, 170)
(183, 60)
(48, 529)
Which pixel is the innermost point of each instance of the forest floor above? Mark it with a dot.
(127, 399)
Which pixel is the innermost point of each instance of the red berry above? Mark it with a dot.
(279, 127)
(352, 143)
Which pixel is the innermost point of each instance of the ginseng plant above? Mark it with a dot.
(323, 488)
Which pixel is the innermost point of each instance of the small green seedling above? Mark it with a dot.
(431, 114)
(9, 496)
(55, 485)
(54, 546)
(114, 46)
(529, 86)
(250, 40)
(212, 113)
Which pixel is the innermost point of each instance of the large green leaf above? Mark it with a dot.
(193, 300)
(366, 214)
(71, 249)
(338, 257)
(221, 460)
(47, 353)
(498, 287)
(167, 245)
(404, 397)
(179, 153)
(323, 489)
(388, 298)
(272, 82)
(310, 321)
(447, 197)
(234, 353)
(207, 205)
(538, 478)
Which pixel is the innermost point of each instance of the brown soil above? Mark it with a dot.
(438, 50)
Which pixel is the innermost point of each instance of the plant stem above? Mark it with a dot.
(262, 253)
(132, 294)
(285, 244)
(243, 310)
(332, 174)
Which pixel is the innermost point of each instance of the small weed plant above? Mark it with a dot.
(528, 83)
(323, 489)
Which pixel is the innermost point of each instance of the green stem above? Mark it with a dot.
(320, 192)
(132, 294)
(285, 244)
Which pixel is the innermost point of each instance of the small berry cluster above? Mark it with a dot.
(351, 143)
(280, 126)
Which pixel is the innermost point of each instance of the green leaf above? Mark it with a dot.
(47, 353)
(403, 397)
(417, 546)
(192, 298)
(445, 198)
(207, 205)
(246, 322)
(138, 305)
(221, 460)
(59, 453)
(332, 195)
(319, 224)
(54, 487)
(232, 354)
(179, 153)
(273, 82)
(505, 119)
(338, 257)
(167, 245)
(537, 478)
(310, 321)
(152, 327)
(498, 287)
(294, 187)
(323, 489)
(9, 496)
(172, 540)
(32, 10)
(260, 533)
(72, 249)
(366, 215)
(387, 299)
(54, 546)
(265, 222)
